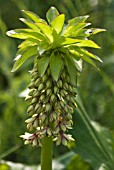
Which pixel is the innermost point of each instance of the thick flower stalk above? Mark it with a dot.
(59, 50)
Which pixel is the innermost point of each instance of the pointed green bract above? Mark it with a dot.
(46, 30)
(88, 43)
(71, 69)
(26, 33)
(56, 65)
(51, 14)
(30, 24)
(77, 20)
(58, 23)
(43, 64)
(33, 16)
(32, 51)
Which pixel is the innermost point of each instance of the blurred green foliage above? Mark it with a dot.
(96, 88)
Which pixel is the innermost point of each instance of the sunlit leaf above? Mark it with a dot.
(88, 60)
(42, 47)
(33, 16)
(56, 65)
(58, 23)
(43, 64)
(26, 33)
(30, 24)
(97, 30)
(32, 51)
(68, 41)
(51, 14)
(70, 30)
(46, 29)
(77, 20)
(88, 43)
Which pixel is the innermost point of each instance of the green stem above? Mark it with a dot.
(46, 153)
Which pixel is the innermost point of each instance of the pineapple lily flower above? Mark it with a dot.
(59, 50)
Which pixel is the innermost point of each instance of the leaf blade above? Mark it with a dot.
(58, 23)
(23, 57)
(43, 64)
(51, 14)
(56, 65)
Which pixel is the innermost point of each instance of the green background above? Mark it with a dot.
(96, 88)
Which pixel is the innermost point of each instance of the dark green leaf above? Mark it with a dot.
(94, 142)
(21, 58)
(43, 64)
(71, 68)
(51, 14)
(56, 65)
(58, 23)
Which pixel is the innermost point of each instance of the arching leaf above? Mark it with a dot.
(33, 16)
(21, 58)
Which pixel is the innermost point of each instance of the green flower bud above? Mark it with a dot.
(40, 87)
(31, 85)
(34, 142)
(48, 92)
(42, 98)
(60, 83)
(34, 100)
(58, 141)
(35, 123)
(31, 113)
(30, 120)
(49, 131)
(48, 107)
(66, 86)
(45, 77)
(63, 127)
(37, 82)
(30, 126)
(48, 84)
(64, 141)
(31, 92)
(36, 93)
(31, 108)
(53, 98)
(56, 89)
(27, 142)
(37, 106)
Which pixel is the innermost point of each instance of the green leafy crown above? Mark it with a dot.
(64, 45)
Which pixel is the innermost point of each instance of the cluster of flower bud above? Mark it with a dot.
(51, 107)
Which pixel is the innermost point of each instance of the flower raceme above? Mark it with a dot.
(59, 50)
